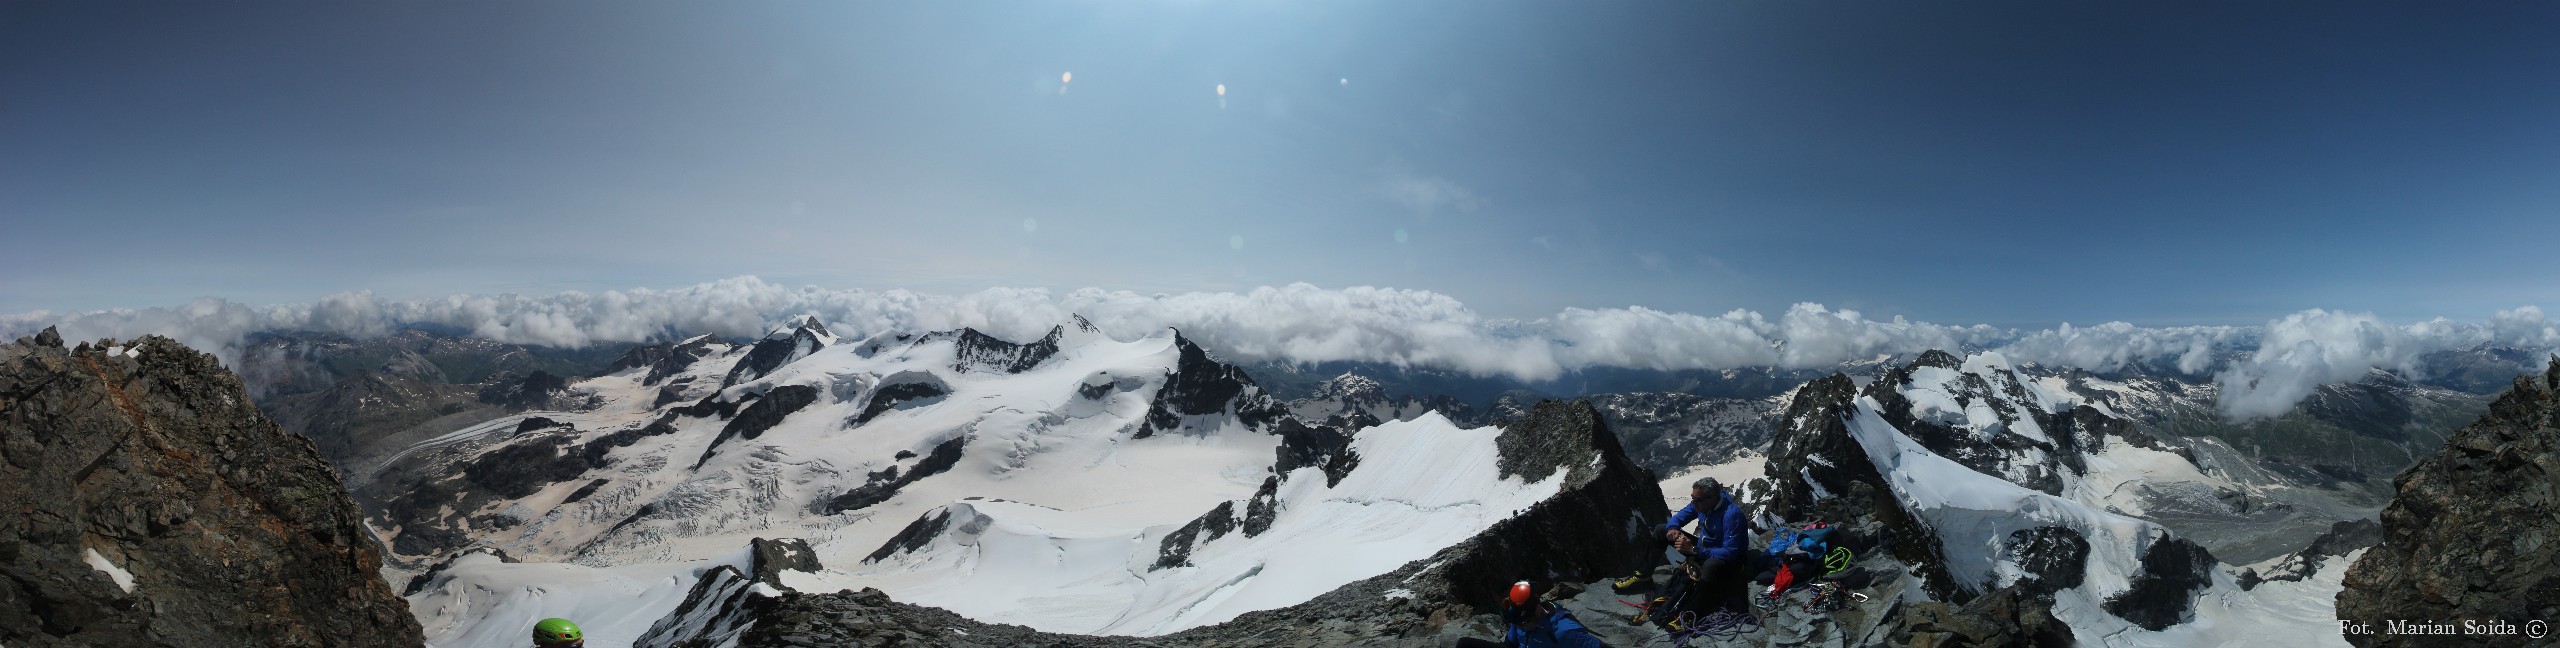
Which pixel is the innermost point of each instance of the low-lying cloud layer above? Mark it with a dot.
(2283, 361)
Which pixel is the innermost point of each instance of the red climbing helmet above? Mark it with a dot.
(1520, 594)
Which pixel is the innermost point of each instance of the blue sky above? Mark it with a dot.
(2017, 164)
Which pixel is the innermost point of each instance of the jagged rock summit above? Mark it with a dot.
(2474, 534)
(151, 504)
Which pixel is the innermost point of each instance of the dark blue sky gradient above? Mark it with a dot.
(2013, 163)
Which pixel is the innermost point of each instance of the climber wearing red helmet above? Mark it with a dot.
(1536, 624)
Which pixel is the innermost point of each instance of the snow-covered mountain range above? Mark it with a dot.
(1074, 483)
(1077, 483)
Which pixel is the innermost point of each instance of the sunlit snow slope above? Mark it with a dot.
(1420, 486)
(1061, 467)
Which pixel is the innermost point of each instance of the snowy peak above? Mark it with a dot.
(975, 351)
(1354, 401)
(1351, 388)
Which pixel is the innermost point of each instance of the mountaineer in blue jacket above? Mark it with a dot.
(1717, 552)
(1536, 624)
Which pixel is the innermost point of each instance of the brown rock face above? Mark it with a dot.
(2474, 533)
(149, 459)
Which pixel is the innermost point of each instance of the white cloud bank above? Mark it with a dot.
(1303, 323)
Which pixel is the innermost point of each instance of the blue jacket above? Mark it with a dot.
(1560, 631)
(1722, 534)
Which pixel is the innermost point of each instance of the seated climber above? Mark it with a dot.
(1536, 624)
(1716, 553)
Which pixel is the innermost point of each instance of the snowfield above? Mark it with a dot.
(481, 601)
(1059, 504)
(1421, 486)
(1054, 485)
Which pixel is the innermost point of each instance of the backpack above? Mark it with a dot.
(1813, 538)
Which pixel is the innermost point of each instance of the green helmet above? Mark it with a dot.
(554, 631)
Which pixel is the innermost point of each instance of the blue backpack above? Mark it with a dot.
(1813, 539)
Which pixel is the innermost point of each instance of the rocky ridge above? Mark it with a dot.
(2471, 534)
(154, 505)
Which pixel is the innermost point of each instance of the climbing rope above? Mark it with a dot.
(1718, 626)
(1837, 561)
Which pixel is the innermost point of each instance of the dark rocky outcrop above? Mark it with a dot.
(2054, 559)
(151, 460)
(923, 530)
(1602, 523)
(885, 484)
(902, 390)
(772, 557)
(584, 491)
(2341, 539)
(712, 406)
(767, 412)
(1815, 449)
(1200, 385)
(2003, 618)
(1175, 550)
(427, 579)
(717, 608)
(2163, 593)
(981, 352)
(1322, 446)
(1264, 507)
(2473, 530)
(782, 347)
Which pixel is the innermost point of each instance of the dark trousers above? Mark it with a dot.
(1719, 587)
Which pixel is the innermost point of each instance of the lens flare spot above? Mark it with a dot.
(1235, 241)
